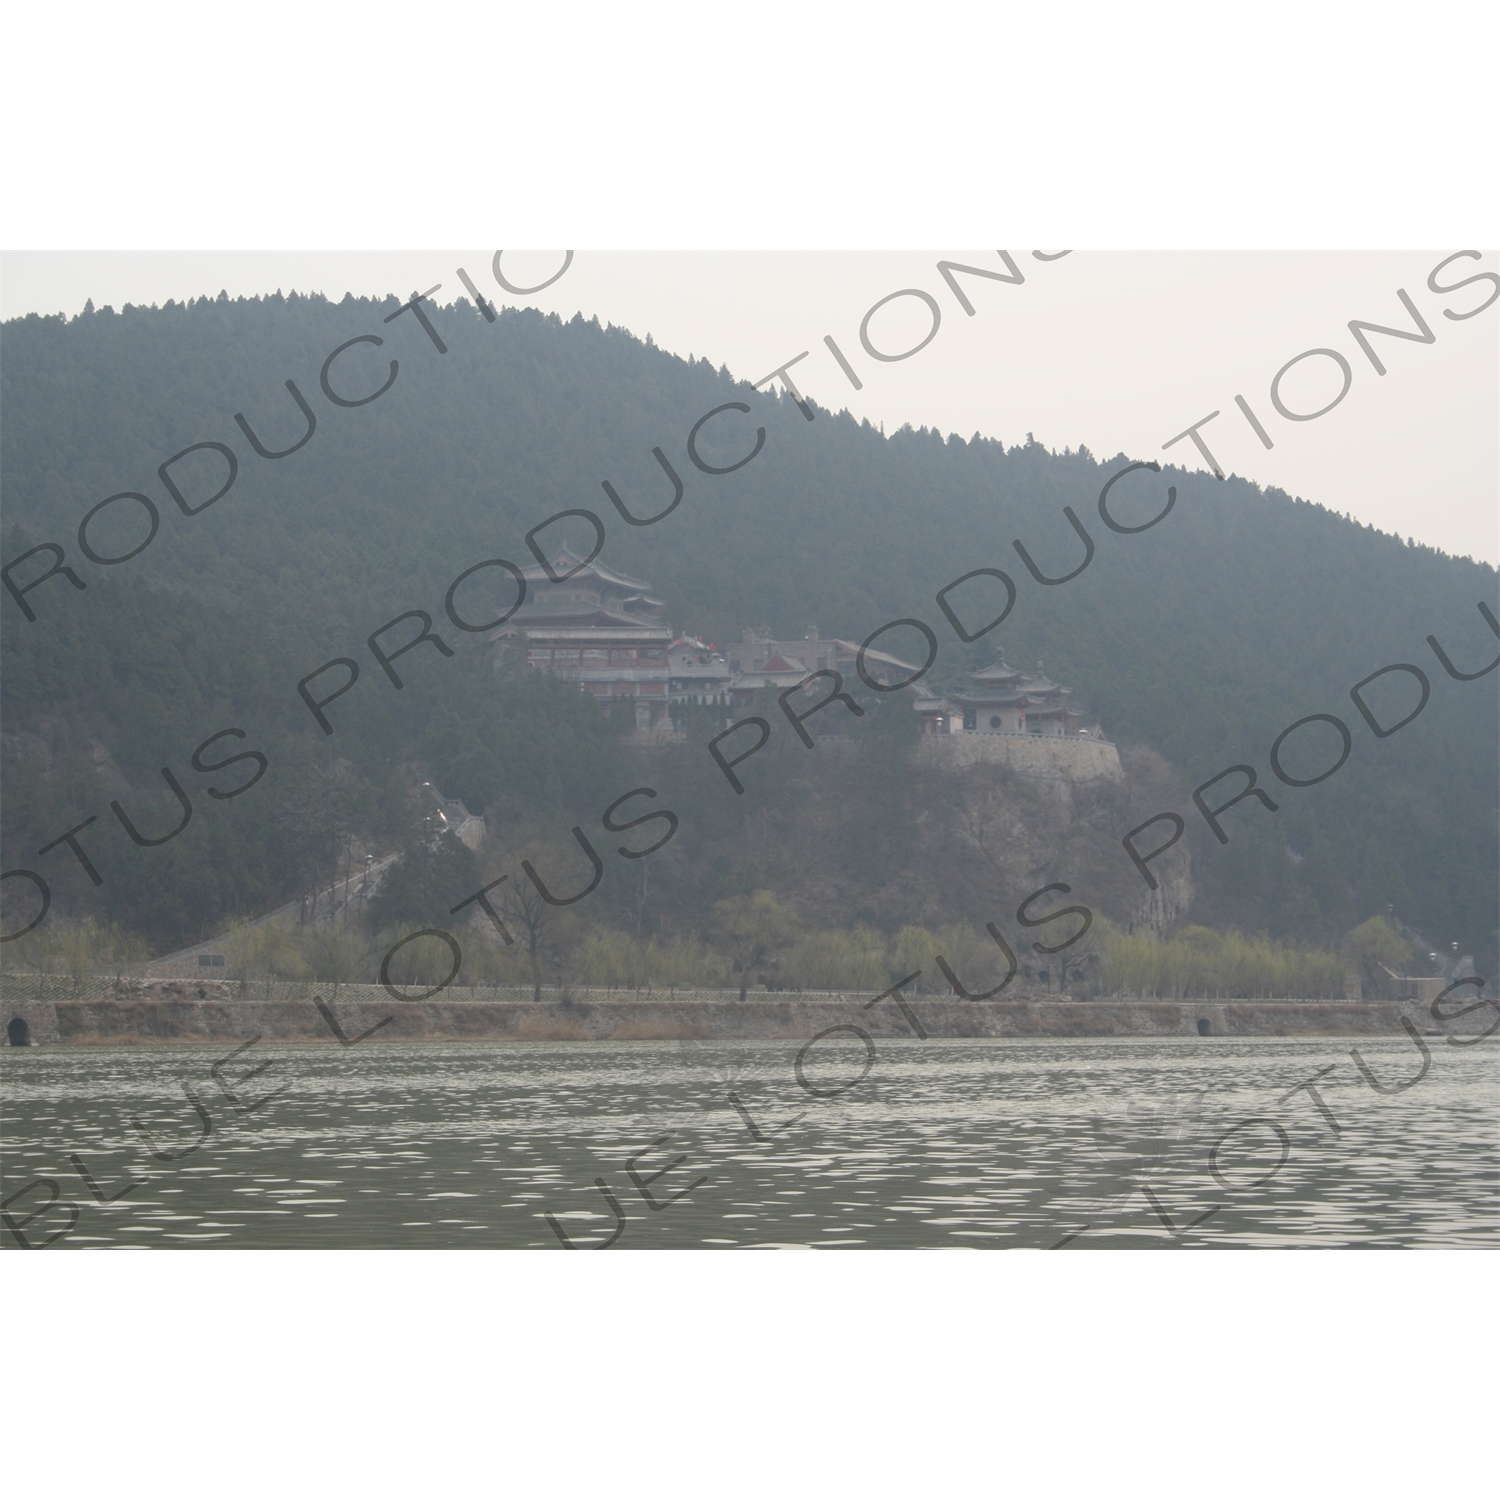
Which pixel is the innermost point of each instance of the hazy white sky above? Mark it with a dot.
(1117, 351)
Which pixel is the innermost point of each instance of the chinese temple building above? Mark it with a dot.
(698, 673)
(1003, 700)
(759, 661)
(598, 628)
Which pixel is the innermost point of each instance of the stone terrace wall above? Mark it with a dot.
(1055, 759)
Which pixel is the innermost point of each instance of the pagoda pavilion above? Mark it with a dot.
(1003, 700)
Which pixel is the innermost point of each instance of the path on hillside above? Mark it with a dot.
(337, 898)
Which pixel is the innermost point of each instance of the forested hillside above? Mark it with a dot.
(1201, 638)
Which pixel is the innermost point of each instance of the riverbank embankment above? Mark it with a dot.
(178, 1013)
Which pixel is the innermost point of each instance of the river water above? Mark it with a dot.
(979, 1144)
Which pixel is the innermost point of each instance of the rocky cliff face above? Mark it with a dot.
(998, 828)
(1067, 761)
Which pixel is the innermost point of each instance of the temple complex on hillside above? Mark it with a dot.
(603, 630)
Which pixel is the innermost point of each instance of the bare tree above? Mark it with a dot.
(539, 926)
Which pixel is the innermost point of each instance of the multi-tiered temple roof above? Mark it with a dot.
(598, 628)
(1002, 699)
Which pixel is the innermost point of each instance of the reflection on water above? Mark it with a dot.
(945, 1143)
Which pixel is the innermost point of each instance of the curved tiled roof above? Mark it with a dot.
(997, 699)
(549, 613)
(997, 671)
(565, 560)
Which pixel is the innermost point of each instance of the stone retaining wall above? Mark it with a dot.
(1053, 758)
(127, 1021)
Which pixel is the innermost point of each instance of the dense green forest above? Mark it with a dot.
(1197, 641)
